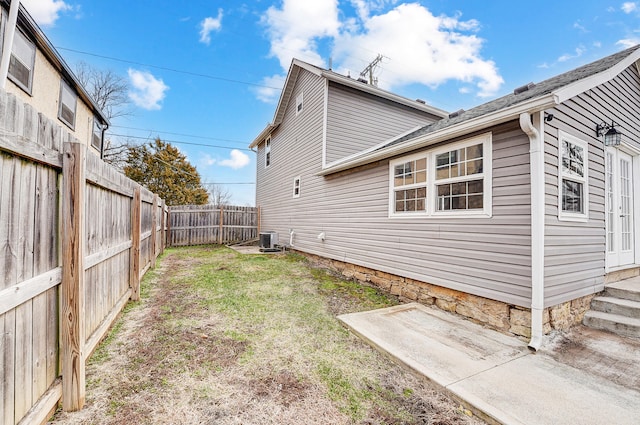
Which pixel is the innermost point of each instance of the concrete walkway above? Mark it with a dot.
(584, 377)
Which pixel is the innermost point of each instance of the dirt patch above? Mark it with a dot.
(220, 338)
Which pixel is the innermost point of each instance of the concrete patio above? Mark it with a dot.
(581, 377)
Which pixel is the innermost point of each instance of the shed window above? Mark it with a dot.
(23, 56)
(68, 102)
(296, 187)
(572, 178)
(267, 152)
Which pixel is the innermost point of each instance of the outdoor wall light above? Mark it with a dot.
(612, 137)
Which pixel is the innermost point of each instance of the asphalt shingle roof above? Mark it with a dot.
(540, 89)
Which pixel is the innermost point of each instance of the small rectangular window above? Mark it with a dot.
(299, 104)
(410, 186)
(67, 107)
(296, 187)
(457, 173)
(23, 56)
(267, 152)
(96, 136)
(572, 178)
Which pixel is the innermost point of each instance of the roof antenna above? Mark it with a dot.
(367, 73)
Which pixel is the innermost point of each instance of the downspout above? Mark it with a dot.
(7, 45)
(535, 131)
(104, 130)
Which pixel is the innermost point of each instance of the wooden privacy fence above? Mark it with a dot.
(206, 224)
(76, 236)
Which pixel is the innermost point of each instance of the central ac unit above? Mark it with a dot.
(268, 241)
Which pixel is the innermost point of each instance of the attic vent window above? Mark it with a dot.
(456, 113)
(267, 152)
(524, 88)
(299, 104)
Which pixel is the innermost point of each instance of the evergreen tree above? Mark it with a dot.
(162, 169)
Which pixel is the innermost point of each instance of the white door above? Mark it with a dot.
(620, 226)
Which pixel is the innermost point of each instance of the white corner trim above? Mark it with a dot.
(324, 123)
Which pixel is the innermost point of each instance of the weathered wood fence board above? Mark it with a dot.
(206, 224)
(56, 306)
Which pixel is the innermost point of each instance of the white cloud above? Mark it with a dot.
(628, 42)
(209, 25)
(577, 53)
(629, 7)
(237, 160)
(206, 160)
(148, 91)
(419, 47)
(293, 30)
(45, 12)
(270, 91)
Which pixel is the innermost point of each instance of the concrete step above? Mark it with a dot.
(619, 306)
(628, 289)
(621, 325)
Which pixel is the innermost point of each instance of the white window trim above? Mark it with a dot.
(267, 152)
(299, 102)
(63, 85)
(296, 182)
(565, 215)
(29, 87)
(486, 175)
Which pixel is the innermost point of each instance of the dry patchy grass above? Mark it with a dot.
(223, 338)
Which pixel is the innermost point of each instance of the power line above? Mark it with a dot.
(182, 134)
(179, 142)
(179, 71)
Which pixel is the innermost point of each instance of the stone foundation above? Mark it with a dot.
(497, 315)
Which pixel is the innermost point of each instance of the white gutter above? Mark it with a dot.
(535, 131)
(9, 32)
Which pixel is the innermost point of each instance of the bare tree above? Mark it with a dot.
(218, 195)
(109, 90)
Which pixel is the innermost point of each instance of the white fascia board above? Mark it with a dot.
(263, 135)
(367, 88)
(581, 86)
(461, 129)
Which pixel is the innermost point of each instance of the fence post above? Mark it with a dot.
(134, 276)
(169, 226)
(72, 309)
(163, 225)
(154, 231)
(220, 236)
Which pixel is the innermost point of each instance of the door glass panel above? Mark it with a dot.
(611, 241)
(625, 204)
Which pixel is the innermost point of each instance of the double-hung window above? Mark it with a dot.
(409, 181)
(96, 135)
(267, 152)
(573, 187)
(460, 178)
(452, 180)
(23, 56)
(296, 187)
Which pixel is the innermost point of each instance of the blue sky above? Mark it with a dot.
(208, 72)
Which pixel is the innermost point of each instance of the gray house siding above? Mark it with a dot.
(357, 121)
(575, 252)
(489, 257)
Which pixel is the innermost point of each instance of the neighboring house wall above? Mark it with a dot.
(489, 257)
(357, 121)
(45, 97)
(575, 251)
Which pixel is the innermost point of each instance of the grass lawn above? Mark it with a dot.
(225, 338)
